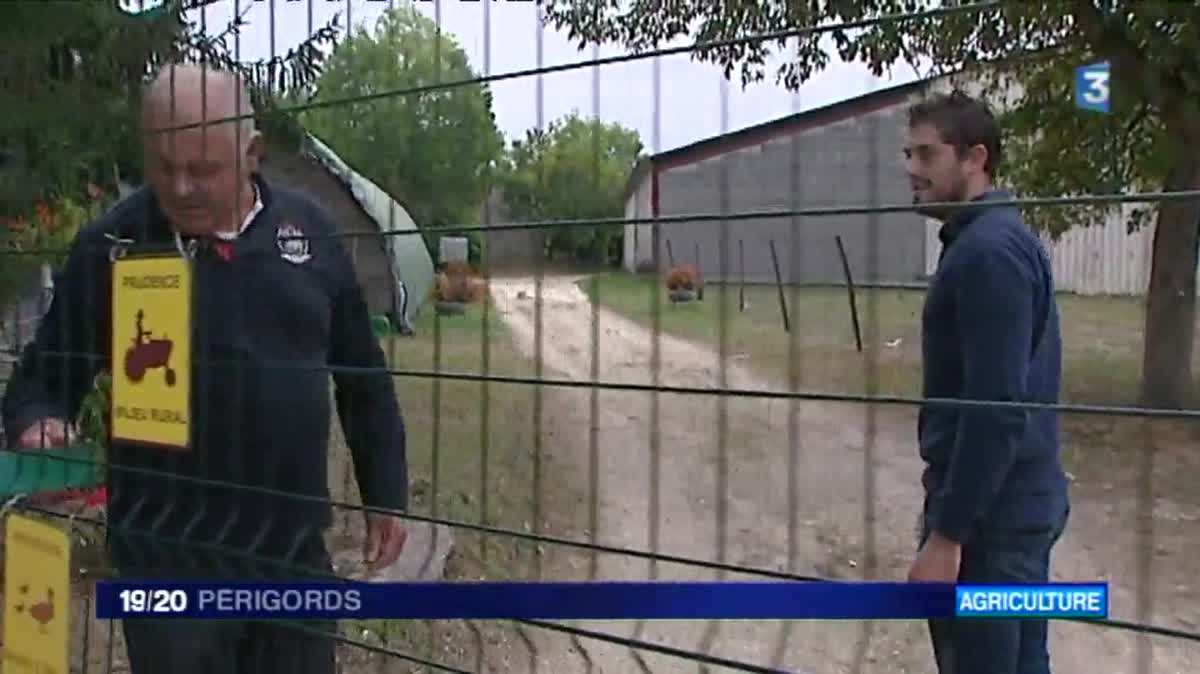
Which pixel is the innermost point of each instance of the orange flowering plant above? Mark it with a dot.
(42, 234)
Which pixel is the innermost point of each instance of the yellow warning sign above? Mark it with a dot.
(37, 597)
(151, 351)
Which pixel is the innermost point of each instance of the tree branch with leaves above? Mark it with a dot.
(575, 169)
(433, 151)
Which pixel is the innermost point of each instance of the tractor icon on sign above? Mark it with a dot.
(147, 354)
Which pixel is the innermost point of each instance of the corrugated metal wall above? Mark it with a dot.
(1097, 260)
(824, 167)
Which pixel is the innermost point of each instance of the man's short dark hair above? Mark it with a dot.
(962, 122)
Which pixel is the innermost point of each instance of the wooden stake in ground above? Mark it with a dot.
(787, 326)
(850, 289)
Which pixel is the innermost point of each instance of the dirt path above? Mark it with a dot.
(752, 507)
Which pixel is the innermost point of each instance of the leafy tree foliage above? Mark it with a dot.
(435, 151)
(574, 169)
(70, 86)
(1024, 51)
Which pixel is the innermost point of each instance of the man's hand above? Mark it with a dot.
(937, 562)
(46, 433)
(385, 541)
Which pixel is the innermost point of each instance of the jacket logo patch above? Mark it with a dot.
(293, 250)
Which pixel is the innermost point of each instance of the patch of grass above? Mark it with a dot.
(469, 441)
(821, 346)
(1102, 338)
(1102, 335)
(470, 457)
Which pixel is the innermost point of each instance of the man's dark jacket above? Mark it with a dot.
(267, 332)
(990, 332)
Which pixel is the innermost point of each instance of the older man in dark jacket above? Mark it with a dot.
(277, 305)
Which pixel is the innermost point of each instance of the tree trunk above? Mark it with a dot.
(1171, 297)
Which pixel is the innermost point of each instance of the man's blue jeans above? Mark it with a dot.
(997, 646)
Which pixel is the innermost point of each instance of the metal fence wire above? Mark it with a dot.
(581, 424)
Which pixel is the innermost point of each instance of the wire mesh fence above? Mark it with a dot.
(563, 422)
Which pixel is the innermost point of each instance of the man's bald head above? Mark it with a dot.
(201, 174)
(187, 94)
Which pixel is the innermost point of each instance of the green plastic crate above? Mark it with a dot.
(31, 472)
(381, 325)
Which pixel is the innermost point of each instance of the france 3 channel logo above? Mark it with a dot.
(1092, 90)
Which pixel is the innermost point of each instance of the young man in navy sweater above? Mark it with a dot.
(277, 306)
(995, 491)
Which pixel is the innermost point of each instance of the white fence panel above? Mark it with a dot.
(1097, 260)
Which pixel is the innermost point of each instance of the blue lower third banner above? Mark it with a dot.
(595, 600)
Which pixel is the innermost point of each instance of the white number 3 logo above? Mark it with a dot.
(1097, 87)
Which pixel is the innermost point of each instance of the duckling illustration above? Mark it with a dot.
(41, 612)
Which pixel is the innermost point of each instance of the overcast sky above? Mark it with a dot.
(691, 91)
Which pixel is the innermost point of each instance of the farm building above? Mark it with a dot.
(845, 155)
(395, 270)
(819, 158)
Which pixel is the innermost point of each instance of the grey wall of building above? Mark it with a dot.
(856, 162)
